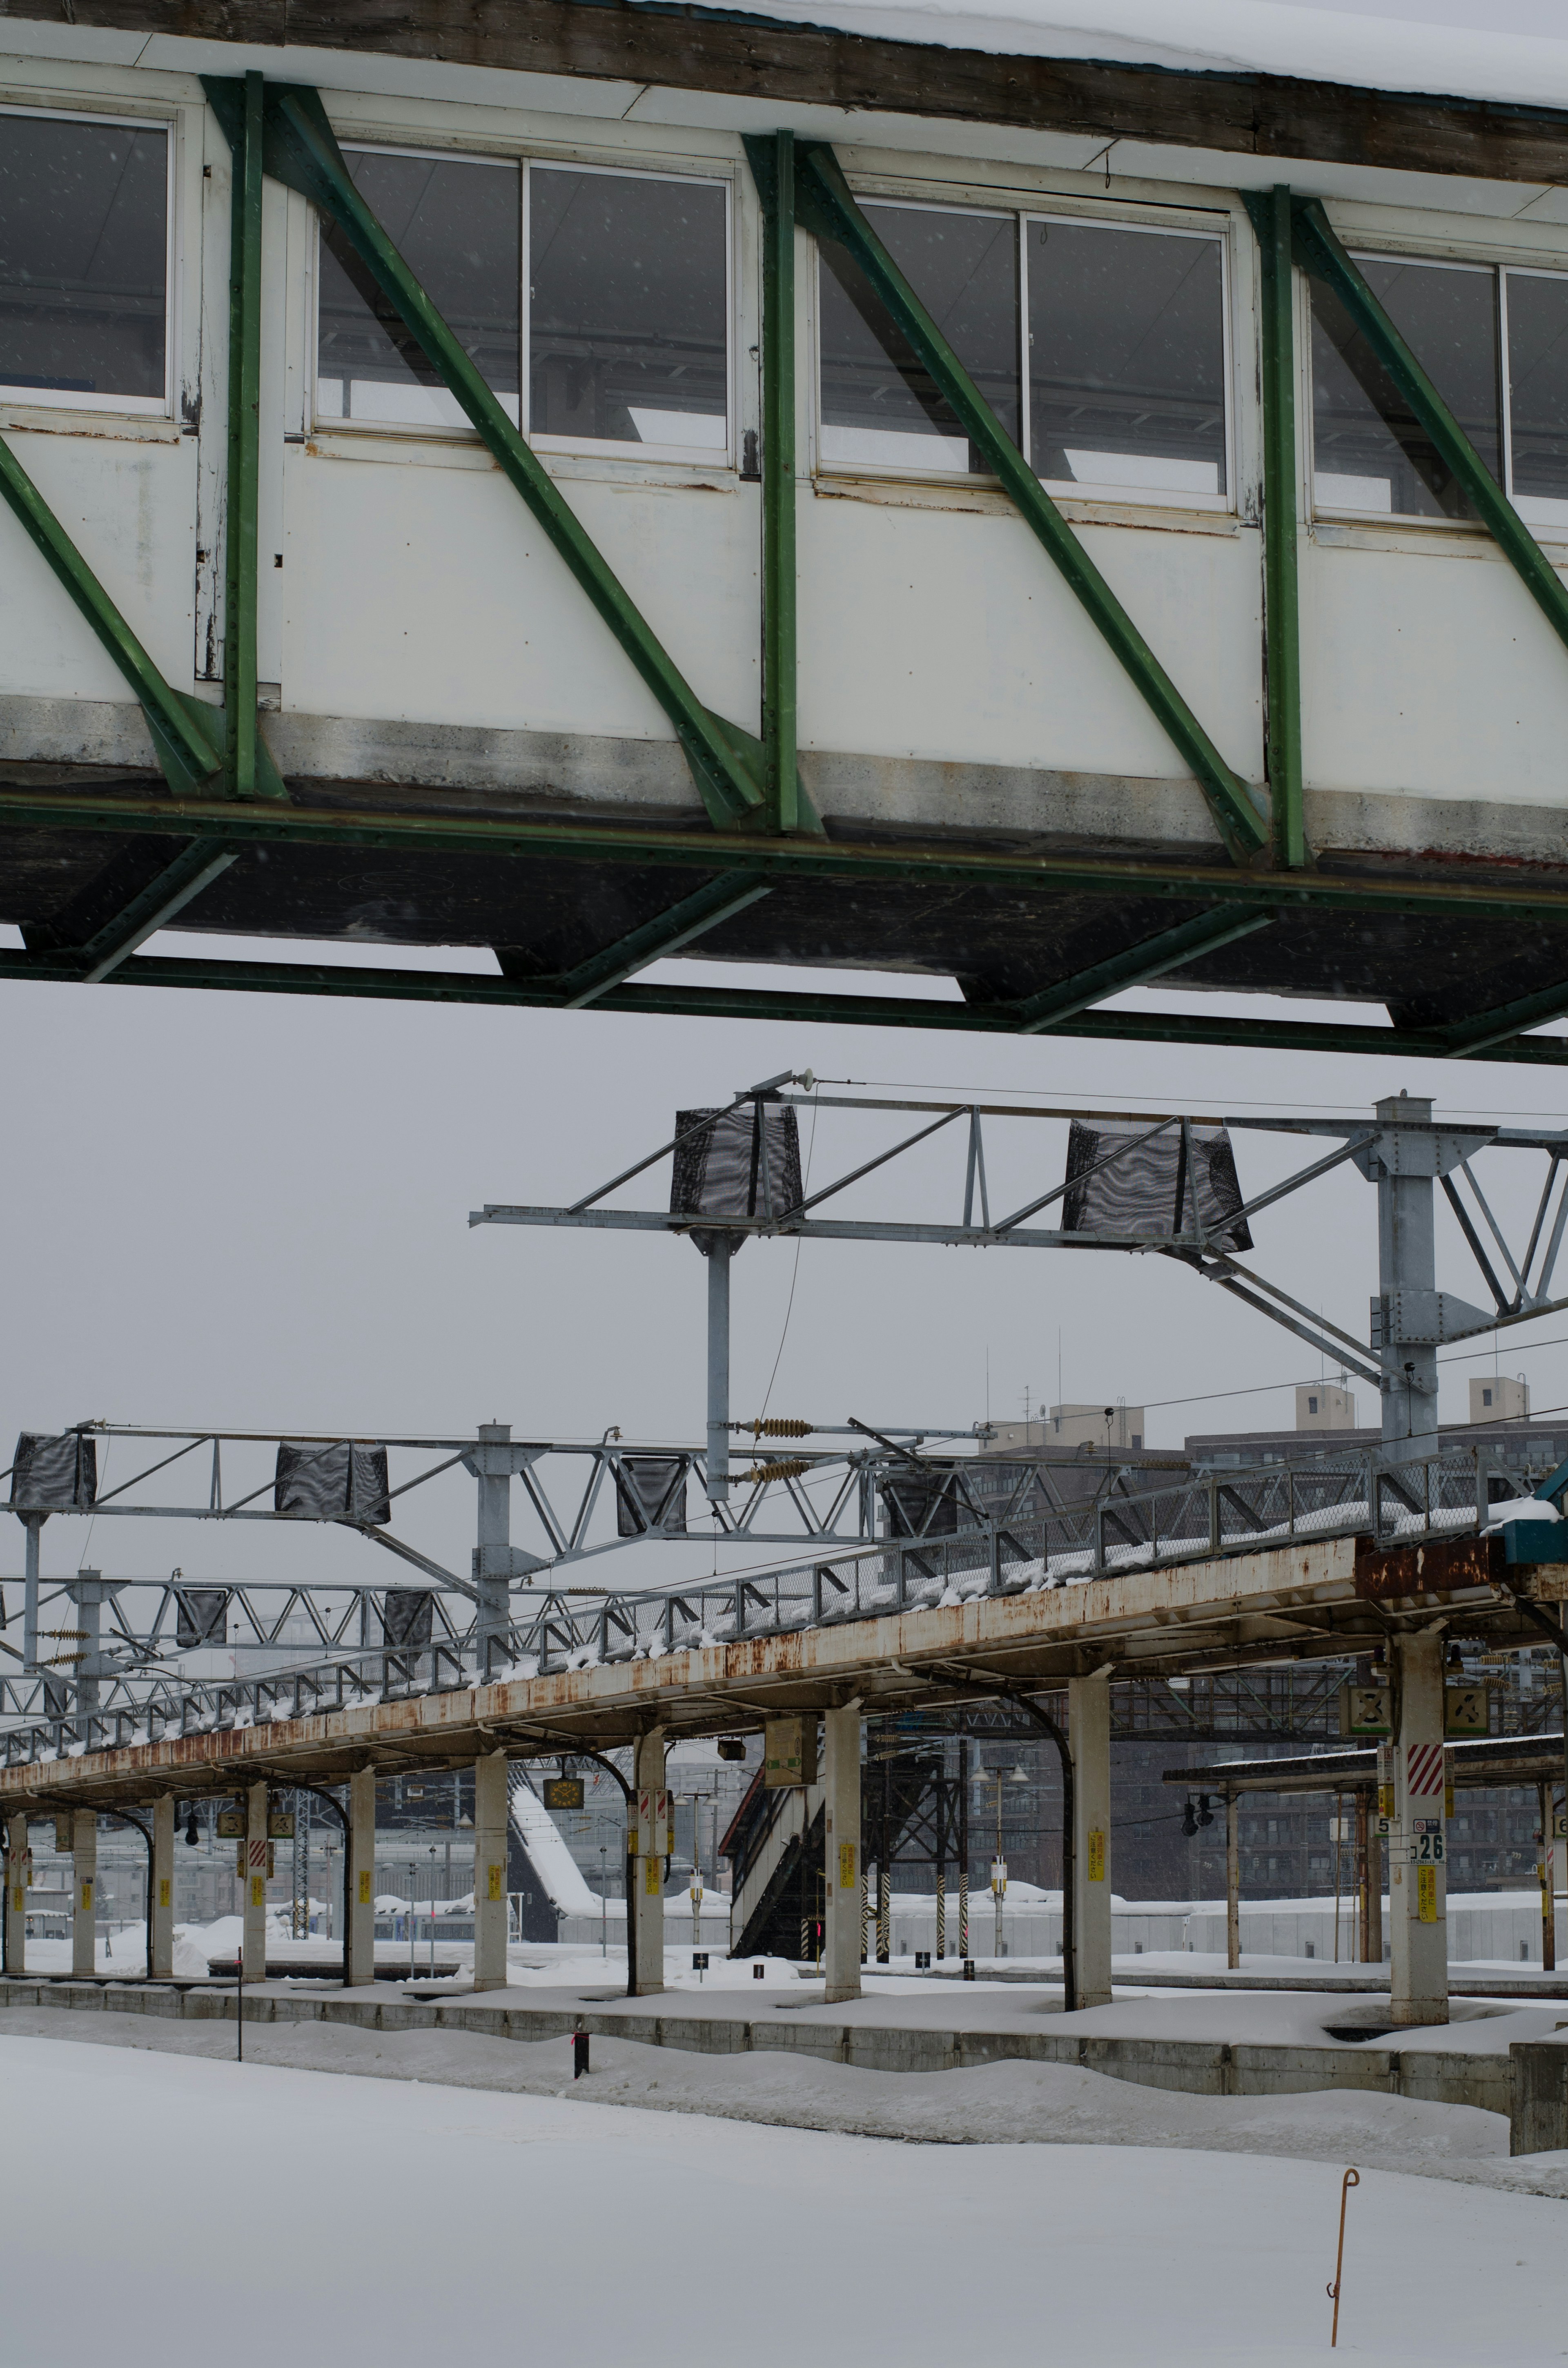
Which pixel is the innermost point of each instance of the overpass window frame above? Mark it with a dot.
(1117, 486)
(442, 419)
(25, 390)
(1511, 449)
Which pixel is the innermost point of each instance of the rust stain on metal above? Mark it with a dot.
(1439, 1566)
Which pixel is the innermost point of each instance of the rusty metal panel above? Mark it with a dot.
(1439, 1566)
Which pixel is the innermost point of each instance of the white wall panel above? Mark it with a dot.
(430, 592)
(1429, 674)
(130, 507)
(950, 635)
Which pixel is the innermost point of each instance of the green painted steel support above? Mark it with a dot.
(824, 205)
(185, 732)
(1467, 1040)
(251, 771)
(704, 852)
(720, 900)
(194, 869)
(1270, 213)
(300, 151)
(1320, 252)
(1264, 1033)
(1139, 966)
(772, 160)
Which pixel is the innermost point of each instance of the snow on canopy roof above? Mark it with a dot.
(1217, 36)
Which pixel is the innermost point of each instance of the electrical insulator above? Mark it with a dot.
(777, 1426)
(791, 1468)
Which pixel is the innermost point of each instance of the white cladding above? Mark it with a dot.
(948, 676)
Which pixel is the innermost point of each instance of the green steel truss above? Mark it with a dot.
(225, 797)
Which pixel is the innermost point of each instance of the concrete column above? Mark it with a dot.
(359, 1880)
(84, 1891)
(491, 1807)
(1417, 1866)
(646, 1906)
(18, 1871)
(1088, 1736)
(252, 1957)
(1405, 1167)
(1232, 1882)
(842, 1887)
(161, 1875)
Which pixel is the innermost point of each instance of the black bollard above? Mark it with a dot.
(579, 2053)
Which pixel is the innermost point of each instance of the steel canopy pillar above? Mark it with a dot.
(1232, 1882)
(645, 1908)
(253, 1951)
(1089, 1735)
(492, 1809)
(841, 1845)
(18, 1868)
(718, 1257)
(84, 1893)
(1417, 1866)
(1406, 1166)
(493, 1467)
(160, 1898)
(359, 1881)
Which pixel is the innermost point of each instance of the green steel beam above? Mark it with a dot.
(183, 730)
(796, 1009)
(238, 106)
(1270, 214)
(179, 885)
(1469, 1038)
(825, 205)
(778, 860)
(1319, 251)
(302, 153)
(720, 900)
(772, 161)
(1137, 967)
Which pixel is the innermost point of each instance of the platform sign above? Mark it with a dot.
(231, 1825)
(1426, 1895)
(1464, 1710)
(789, 1753)
(1365, 1710)
(280, 1824)
(563, 1791)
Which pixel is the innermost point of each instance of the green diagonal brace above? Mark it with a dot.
(1139, 966)
(300, 151)
(1320, 252)
(1270, 212)
(182, 728)
(824, 204)
(692, 918)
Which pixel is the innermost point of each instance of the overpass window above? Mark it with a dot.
(629, 306)
(1372, 457)
(879, 408)
(84, 262)
(1536, 309)
(457, 223)
(1115, 332)
(1127, 361)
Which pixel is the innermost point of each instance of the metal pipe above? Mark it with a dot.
(718, 1479)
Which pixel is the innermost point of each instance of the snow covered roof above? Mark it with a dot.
(1315, 44)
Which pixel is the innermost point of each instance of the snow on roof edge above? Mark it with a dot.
(1222, 38)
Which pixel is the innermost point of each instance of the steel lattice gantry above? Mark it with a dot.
(748, 846)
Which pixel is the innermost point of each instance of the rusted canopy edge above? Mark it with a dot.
(757, 57)
(1295, 1604)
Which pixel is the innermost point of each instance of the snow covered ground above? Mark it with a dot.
(405, 2218)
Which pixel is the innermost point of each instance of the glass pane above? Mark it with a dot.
(629, 310)
(83, 247)
(1127, 358)
(878, 406)
(1538, 396)
(1369, 452)
(457, 227)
